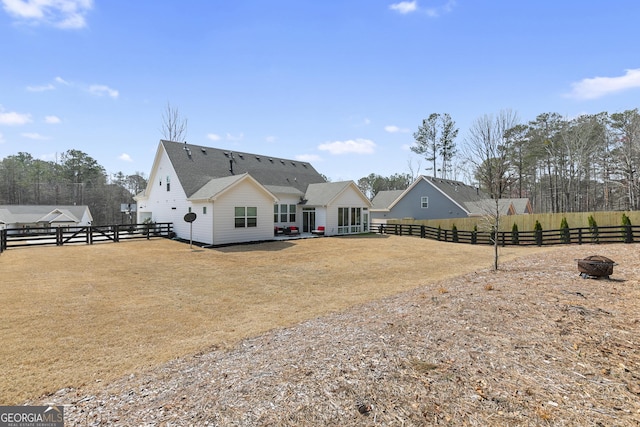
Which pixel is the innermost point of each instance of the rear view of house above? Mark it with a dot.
(242, 197)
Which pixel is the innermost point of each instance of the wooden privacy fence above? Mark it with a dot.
(36, 236)
(612, 234)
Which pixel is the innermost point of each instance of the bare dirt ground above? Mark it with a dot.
(384, 331)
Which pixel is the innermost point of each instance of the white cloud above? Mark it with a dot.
(405, 7)
(358, 146)
(35, 136)
(598, 87)
(395, 129)
(66, 14)
(42, 88)
(230, 137)
(1, 138)
(13, 119)
(101, 90)
(125, 157)
(52, 120)
(271, 139)
(213, 137)
(62, 81)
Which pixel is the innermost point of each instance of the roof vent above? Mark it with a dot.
(257, 158)
(271, 160)
(282, 161)
(204, 150)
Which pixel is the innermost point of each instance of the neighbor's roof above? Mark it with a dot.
(457, 191)
(385, 198)
(31, 214)
(488, 206)
(196, 165)
(521, 205)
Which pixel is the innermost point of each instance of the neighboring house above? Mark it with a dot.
(438, 198)
(26, 217)
(241, 197)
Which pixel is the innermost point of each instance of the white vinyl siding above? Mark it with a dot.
(245, 194)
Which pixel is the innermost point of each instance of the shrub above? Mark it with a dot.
(538, 233)
(454, 233)
(565, 234)
(439, 231)
(515, 236)
(593, 228)
(474, 235)
(626, 229)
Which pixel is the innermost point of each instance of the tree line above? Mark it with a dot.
(580, 164)
(75, 178)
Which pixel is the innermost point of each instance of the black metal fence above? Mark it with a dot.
(610, 234)
(58, 236)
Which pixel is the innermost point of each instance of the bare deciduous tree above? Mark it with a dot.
(488, 150)
(174, 127)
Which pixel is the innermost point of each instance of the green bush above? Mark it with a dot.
(454, 233)
(474, 235)
(593, 228)
(538, 233)
(565, 234)
(515, 236)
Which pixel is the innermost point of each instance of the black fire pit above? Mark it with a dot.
(595, 266)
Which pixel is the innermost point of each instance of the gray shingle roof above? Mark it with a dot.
(383, 199)
(31, 214)
(458, 191)
(322, 194)
(196, 165)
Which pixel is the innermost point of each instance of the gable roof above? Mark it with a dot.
(488, 206)
(32, 214)
(197, 165)
(384, 199)
(456, 191)
(322, 194)
(218, 186)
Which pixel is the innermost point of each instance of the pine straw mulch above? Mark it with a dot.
(533, 344)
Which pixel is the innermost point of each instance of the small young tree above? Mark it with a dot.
(593, 228)
(626, 229)
(565, 234)
(454, 233)
(488, 149)
(515, 237)
(474, 235)
(538, 233)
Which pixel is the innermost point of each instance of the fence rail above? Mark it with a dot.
(58, 236)
(612, 234)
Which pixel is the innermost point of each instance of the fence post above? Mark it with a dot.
(3, 240)
(58, 236)
(116, 233)
(422, 232)
(579, 236)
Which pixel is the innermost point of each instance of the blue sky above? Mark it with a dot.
(341, 84)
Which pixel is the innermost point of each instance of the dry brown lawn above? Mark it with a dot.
(77, 315)
(376, 330)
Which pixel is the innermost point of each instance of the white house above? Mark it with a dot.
(241, 197)
(25, 217)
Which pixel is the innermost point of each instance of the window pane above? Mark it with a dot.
(252, 222)
(240, 222)
(252, 211)
(240, 211)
